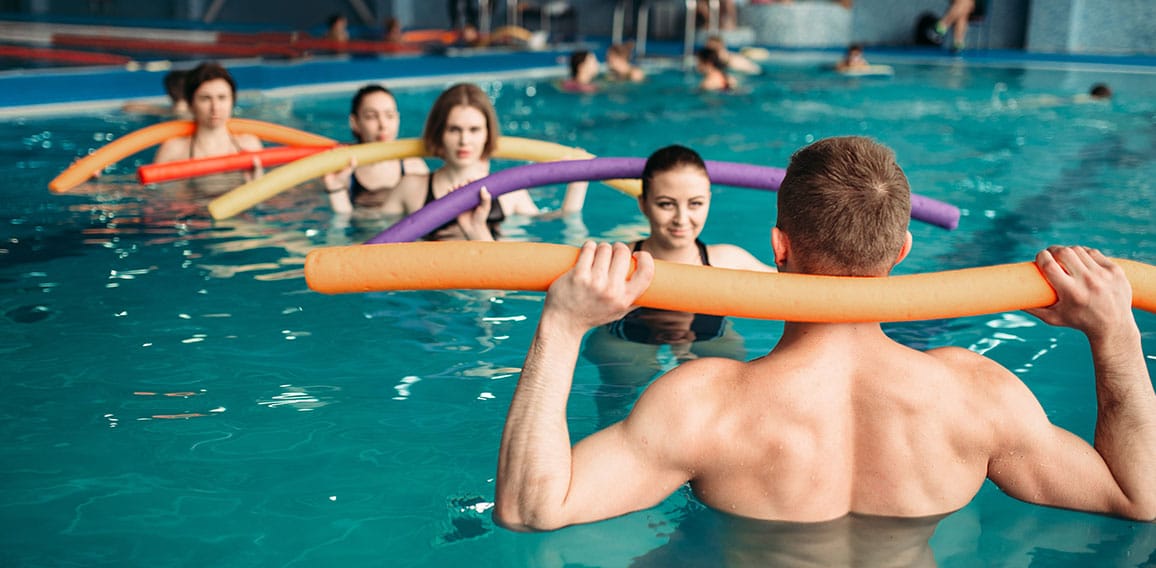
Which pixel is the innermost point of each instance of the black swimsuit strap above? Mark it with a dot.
(702, 254)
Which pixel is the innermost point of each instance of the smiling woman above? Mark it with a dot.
(675, 200)
(211, 92)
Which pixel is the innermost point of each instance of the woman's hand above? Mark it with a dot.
(473, 222)
(339, 180)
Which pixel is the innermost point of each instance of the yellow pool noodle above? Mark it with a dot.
(317, 165)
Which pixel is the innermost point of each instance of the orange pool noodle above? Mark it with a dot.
(83, 169)
(196, 167)
(700, 289)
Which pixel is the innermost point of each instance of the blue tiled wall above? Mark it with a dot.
(799, 24)
(1092, 26)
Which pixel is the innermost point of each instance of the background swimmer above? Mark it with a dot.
(853, 59)
(372, 188)
(619, 66)
(583, 70)
(714, 73)
(737, 62)
(178, 107)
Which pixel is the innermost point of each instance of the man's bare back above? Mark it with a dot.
(809, 433)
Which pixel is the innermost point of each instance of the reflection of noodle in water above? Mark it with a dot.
(293, 274)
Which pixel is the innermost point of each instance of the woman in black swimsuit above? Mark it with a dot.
(462, 130)
(211, 93)
(675, 199)
(372, 189)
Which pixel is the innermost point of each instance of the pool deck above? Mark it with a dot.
(94, 88)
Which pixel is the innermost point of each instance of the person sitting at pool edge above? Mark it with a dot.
(675, 199)
(838, 418)
(373, 117)
(211, 93)
(583, 69)
(462, 130)
(337, 28)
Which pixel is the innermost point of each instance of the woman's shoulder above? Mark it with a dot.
(415, 166)
(175, 148)
(736, 257)
(249, 142)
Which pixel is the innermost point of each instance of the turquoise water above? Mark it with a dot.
(175, 395)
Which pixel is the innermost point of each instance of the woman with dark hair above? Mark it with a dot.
(713, 70)
(462, 130)
(675, 199)
(372, 188)
(584, 68)
(211, 93)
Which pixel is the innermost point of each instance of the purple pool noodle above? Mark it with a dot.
(934, 211)
(448, 207)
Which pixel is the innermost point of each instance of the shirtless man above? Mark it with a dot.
(838, 419)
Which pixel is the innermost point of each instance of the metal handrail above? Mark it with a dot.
(484, 17)
(513, 17)
(643, 23)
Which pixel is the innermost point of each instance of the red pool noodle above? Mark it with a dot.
(196, 167)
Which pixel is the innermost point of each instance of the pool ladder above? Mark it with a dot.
(644, 21)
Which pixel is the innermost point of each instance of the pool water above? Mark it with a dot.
(175, 395)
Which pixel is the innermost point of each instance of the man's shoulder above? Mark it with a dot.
(697, 374)
(967, 363)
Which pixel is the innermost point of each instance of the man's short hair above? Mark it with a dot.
(844, 205)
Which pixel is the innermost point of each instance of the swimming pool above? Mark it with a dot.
(175, 395)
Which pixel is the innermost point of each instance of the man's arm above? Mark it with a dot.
(1044, 464)
(542, 484)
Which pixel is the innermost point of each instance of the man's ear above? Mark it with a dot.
(781, 245)
(903, 252)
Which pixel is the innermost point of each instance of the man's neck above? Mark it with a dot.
(796, 332)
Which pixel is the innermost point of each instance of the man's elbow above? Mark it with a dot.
(1144, 512)
(515, 518)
